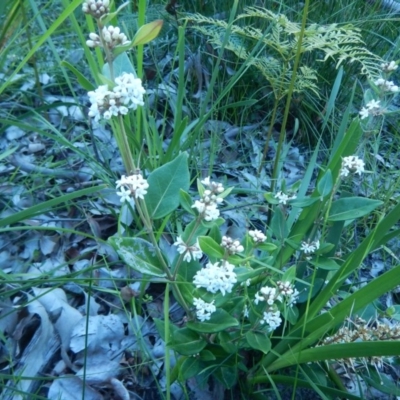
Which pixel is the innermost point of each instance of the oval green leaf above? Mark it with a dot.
(258, 341)
(349, 208)
(219, 321)
(165, 184)
(138, 254)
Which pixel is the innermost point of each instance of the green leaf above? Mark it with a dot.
(210, 247)
(289, 275)
(291, 314)
(187, 342)
(303, 202)
(226, 342)
(278, 224)
(165, 184)
(206, 355)
(187, 367)
(121, 64)
(227, 376)
(325, 263)
(382, 383)
(258, 341)
(325, 185)
(268, 247)
(46, 206)
(219, 321)
(138, 254)
(83, 81)
(349, 208)
(338, 351)
(211, 224)
(186, 202)
(147, 32)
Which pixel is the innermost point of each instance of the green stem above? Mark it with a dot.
(167, 363)
(124, 147)
(282, 134)
(270, 129)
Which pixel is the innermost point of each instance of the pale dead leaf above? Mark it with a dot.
(70, 387)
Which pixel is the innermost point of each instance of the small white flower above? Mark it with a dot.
(364, 113)
(203, 309)
(308, 248)
(352, 164)
(188, 251)
(125, 194)
(246, 312)
(284, 198)
(257, 236)
(206, 181)
(373, 104)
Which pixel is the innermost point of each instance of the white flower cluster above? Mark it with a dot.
(352, 164)
(289, 291)
(284, 198)
(389, 67)
(190, 252)
(96, 8)
(126, 94)
(203, 309)
(386, 86)
(272, 318)
(284, 292)
(132, 186)
(207, 205)
(257, 236)
(216, 277)
(373, 108)
(231, 246)
(308, 247)
(111, 36)
(268, 294)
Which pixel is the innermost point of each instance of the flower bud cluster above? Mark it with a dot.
(111, 36)
(352, 164)
(257, 236)
(96, 8)
(190, 252)
(133, 186)
(216, 277)
(389, 67)
(231, 246)
(362, 331)
(203, 309)
(127, 94)
(287, 290)
(207, 205)
(386, 86)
